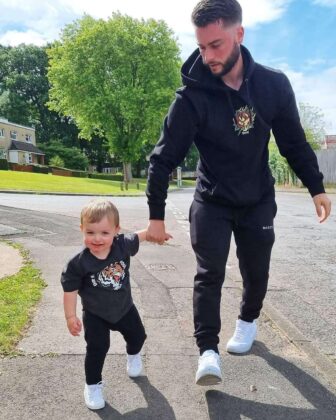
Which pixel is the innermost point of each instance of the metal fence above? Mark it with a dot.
(327, 163)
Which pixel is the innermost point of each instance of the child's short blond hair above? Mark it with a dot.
(97, 209)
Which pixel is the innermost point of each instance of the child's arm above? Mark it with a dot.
(142, 234)
(70, 302)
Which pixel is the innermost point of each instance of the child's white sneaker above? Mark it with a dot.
(209, 371)
(134, 365)
(93, 395)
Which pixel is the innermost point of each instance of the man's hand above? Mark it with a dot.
(322, 205)
(156, 232)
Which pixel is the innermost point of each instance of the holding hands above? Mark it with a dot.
(156, 232)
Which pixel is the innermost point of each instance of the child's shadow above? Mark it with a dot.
(226, 407)
(157, 405)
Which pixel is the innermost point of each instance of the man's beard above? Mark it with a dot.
(229, 63)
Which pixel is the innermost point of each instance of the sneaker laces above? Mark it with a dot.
(97, 388)
(242, 331)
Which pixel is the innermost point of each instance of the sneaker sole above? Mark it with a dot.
(95, 408)
(237, 351)
(207, 380)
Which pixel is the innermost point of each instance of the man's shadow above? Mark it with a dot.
(157, 405)
(226, 407)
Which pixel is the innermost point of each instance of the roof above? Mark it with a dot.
(25, 147)
(5, 121)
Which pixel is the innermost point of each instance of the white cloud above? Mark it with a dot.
(262, 11)
(14, 38)
(316, 90)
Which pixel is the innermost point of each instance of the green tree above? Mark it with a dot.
(24, 91)
(312, 120)
(115, 78)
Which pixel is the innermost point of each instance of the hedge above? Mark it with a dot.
(108, 177)
(3, 165)
(39, 169)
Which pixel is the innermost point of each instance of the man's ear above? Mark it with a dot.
(240, 34)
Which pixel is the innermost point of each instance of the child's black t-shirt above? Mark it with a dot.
(103, 285)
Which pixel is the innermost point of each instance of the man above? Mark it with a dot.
(227, 107)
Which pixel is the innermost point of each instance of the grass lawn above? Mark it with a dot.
(19, 294)
(27, 181)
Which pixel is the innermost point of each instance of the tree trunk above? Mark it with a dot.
(127, 170)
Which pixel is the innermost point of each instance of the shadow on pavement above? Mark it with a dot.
(226, 407)
(157, 405)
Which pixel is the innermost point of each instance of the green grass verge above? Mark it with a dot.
(19, 294)
(26, 181)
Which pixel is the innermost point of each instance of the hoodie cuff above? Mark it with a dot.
(156, 212)
(316, 189)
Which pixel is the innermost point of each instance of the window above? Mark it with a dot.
(2, 132)
(13, 135)
(28, 138)
(3, 154)
(30, 158)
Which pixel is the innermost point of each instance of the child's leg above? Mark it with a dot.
(97, 337)
(132, 329)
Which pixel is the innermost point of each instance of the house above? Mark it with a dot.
(18, 144)
(330, 141)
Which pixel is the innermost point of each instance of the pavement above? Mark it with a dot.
(283, 377)
(10, 260)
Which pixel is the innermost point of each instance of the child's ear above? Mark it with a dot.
(81, 227)
(117, 229)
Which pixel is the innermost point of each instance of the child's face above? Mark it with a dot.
(98, 237)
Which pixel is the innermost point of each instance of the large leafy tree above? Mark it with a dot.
(115, 78)
(24, 91)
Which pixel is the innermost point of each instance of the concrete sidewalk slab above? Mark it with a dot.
(10, 260)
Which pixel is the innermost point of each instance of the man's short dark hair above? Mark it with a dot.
(211, 11)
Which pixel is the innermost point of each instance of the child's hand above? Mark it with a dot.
(74, 325)
(168, 236)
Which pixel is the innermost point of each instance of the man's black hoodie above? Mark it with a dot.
(231, 130)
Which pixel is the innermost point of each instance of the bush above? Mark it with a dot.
(56, 161)
(109, 177)
(4, 165)
(72, 157)
(80, 174)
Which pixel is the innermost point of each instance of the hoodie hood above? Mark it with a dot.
(196, 74)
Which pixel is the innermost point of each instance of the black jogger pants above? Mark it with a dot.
(211, 227)
(97, 337)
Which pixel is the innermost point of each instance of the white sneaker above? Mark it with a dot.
(208, 372)
(93, 395)
(134, 365)
(243, 337)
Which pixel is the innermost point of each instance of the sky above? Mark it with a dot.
(296, 36)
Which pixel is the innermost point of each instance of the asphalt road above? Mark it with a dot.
(285, 376)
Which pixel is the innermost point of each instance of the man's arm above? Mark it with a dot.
(179, 130)
(293, 145)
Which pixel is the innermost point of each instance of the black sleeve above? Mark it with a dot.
(178, 133)
(71, 278)
(291, 140)
(129, 243)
